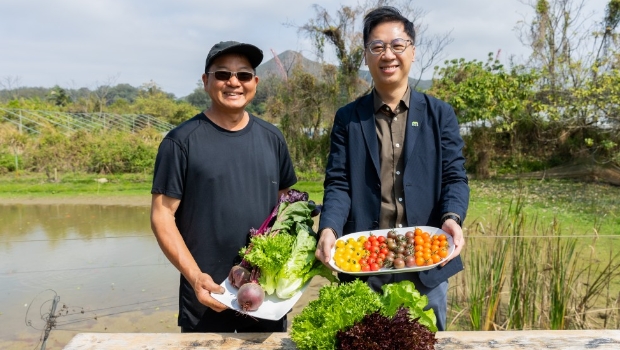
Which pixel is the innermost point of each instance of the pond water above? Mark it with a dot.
(102, 263)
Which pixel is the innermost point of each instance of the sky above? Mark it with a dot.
(89, 43)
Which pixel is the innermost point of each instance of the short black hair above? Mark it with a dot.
(386, 14)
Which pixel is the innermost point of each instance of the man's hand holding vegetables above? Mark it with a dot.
(218, 175)
(175, 249)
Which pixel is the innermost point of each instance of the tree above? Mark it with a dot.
(10, 85)
(102, 92)
(609, 37)
(199, 98)
(561, 35)
(152, 100)
(343, 33)
(59, 96)
(299, 107)
(122, 91)
(489, 101)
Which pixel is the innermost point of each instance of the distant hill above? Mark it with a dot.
(290, 58)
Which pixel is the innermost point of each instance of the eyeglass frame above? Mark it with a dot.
(231, 74)
(408, 42)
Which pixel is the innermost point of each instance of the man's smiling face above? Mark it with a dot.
(230, 95)
(389, 70)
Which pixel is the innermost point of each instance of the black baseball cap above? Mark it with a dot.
(253, 53)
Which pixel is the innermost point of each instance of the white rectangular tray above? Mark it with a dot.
(431, 230)
(273, 308)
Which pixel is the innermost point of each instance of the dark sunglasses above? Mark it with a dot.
(226, 75)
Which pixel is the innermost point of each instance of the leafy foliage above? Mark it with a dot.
(377, 331)
(341, 307)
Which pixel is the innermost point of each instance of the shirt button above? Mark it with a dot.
(400, 199)
(395, 118)
(397, 145)
(398, 173)
(400, 225)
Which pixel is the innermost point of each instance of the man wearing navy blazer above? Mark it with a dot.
(395, 160)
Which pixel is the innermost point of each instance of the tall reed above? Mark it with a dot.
(522, 272)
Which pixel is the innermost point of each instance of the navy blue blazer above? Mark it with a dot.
(434, 174)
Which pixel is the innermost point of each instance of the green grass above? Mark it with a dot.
(38, 185)
(580, 208)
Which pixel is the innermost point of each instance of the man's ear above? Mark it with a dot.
(205, 78)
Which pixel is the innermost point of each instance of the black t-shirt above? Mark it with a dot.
(227, 181)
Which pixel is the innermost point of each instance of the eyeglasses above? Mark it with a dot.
(398, 46)
(226, 75)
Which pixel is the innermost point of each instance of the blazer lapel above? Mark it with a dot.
(365, 111)
(414, 123)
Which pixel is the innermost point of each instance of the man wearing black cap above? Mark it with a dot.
(216, 176)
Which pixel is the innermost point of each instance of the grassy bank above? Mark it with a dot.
(579, 208)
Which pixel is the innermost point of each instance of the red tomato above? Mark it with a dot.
(374, 267)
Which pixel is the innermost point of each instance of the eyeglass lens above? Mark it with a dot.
(226, 75)
(397, 45)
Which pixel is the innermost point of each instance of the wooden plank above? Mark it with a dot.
(574, 339)
(507, 340)
(174, 341)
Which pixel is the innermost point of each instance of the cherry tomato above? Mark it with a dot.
(399, 263)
